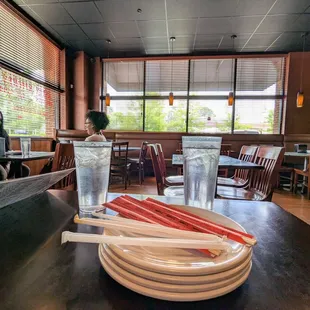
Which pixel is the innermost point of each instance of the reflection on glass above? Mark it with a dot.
(92, 170)
(201, 158)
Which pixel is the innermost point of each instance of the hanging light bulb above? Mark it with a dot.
(107, 96)
(231, 96)
(300, 95)
(171, 96)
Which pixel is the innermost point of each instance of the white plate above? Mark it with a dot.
(168, 287)
(166, 278)
(171, 296)
(181, 261)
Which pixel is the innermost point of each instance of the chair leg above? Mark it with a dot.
(295, 182)
(140, 176)
(308, 188)
(292, 181)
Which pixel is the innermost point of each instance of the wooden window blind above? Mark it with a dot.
(22, 47)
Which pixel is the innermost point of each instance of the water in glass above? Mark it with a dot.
(25, 145)
(201, 158)
(92, 170)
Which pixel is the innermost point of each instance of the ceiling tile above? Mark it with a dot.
(245, 24)
(70, 0)
(124, 30)
(290, 6)
(208, 41)
(182, 27)
(277, 23)
(214, 25)
(152, 28)
(70, 32)
(239, 42)
(155, 43)
(301, 24)
(183, 42)
(97, 31)
(263, 39)
(19, 2)
(85, 45)
(289, 39)
(183, 9)
(182, 50)
(54, 14)
(84, 12)
(255, 49)
(217, 8)
(35, 1)
(157, 51)
(253, 7)
(120, 10)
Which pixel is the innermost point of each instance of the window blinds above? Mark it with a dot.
(260, 76)
(22, 47)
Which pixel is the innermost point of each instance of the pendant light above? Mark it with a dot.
(171, 97)
(231, 97)
(300, 95)
(107, 95)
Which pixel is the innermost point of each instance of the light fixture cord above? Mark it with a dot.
(171, 67)
(302, 61)
(232, 65)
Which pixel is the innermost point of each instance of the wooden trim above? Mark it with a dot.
(265, 55)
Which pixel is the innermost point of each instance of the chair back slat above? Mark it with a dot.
(225, 149)
(161, 159)
(157, 168)
(265, 180)
(119, 153)
(143, 152)
(64, 159)
(247, 153)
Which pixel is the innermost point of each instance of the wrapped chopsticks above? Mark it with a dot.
(153, 211)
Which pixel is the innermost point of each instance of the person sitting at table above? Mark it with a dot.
(6, 169)
(94, 124)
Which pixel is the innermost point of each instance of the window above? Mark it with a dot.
(211, 116)
(28, 108)
(159, 116)
(200, 88)
(125, 114)
(29, 77)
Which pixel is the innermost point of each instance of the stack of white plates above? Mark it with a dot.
(177, 274)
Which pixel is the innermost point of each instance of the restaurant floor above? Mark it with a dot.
(297, 205)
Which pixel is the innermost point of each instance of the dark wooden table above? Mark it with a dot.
(38, 273)
(18, 159)
(225, 162)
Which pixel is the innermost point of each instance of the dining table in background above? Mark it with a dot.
(16, 159)
(225, 162)
(38, 272)
(130, 149)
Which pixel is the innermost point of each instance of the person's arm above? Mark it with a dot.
(7, 141)
(96, 138)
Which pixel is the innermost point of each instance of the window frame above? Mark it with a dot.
(189, 97)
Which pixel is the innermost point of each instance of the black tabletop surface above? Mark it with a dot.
(32, 156)
(39, 273)
(224, 162)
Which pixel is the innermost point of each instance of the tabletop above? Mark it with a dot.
(224, 162)
(295, 154)
(32, 156)
(39, 273)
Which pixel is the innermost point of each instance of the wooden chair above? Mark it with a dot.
(162, 189)
(305, 179)
(262, 182)
(64, 159)
(286, 174)
(241, 176)
(138, 164)
(225, 150)
(179, 151)
(120, 167)
(175, 180)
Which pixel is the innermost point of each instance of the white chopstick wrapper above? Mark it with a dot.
(154, 230)
(68, 236)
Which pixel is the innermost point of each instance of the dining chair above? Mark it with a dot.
(174, 180)
(241, 176)
(225, 150)
(64, 159)
(162, 188)
(262, 182)
(139, 164)
(286, 174)
(120, 167)
(305, 179)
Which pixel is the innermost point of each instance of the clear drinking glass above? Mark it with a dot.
(25, 146)
(201, 158)
(2, 146)
(92, 160)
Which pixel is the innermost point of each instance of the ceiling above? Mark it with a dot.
(200, 26)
